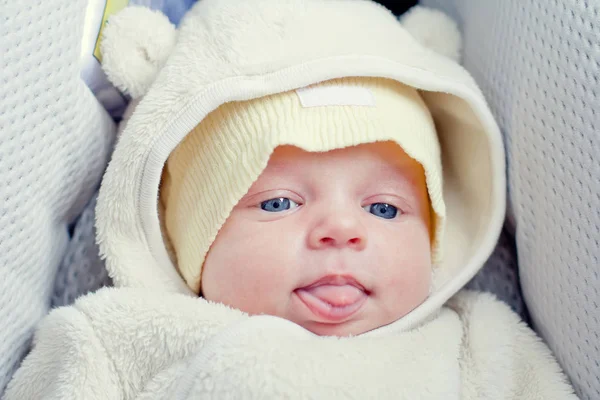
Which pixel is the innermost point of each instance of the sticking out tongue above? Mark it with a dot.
(332, 303)
(336, 295)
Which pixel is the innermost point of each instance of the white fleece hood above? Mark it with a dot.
(228, 50)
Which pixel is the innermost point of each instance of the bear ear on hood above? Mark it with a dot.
(136, 43)
(433, 29)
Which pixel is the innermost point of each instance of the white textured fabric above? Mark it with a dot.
(130, 70)
(54, 143)
(539, 64)
(137, 344)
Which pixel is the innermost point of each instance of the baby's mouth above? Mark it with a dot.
(333, 299)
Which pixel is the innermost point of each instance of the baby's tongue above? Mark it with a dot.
(336, 295)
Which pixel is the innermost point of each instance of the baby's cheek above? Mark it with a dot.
(257, 285)
(405, 292)
(409, 270)
(246, 272)
(408, 279)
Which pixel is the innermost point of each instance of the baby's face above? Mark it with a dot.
(336, 242)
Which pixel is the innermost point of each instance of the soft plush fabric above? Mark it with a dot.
(55, 140)
(128, 69)
(539, 65)
(342, 112)
(107, 347)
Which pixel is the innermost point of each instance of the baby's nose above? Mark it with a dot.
(338, 231)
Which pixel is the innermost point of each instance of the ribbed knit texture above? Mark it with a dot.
(215, 165)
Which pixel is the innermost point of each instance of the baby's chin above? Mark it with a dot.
(344, 329)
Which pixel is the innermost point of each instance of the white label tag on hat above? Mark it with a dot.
(336, 95)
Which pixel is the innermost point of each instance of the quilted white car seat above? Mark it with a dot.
(538, 62)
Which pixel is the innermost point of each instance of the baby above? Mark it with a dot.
(292, 211)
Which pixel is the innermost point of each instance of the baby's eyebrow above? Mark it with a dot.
(403, 180)
(402, 170)
(394, 187)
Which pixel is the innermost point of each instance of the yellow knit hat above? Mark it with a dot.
(215, 165)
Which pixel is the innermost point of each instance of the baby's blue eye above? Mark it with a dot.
(382, 210)
(278, 204)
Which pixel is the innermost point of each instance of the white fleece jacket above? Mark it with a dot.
(131, 343)
(151, 338)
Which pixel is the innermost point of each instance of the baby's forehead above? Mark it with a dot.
(380, 164)
(377, 155)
